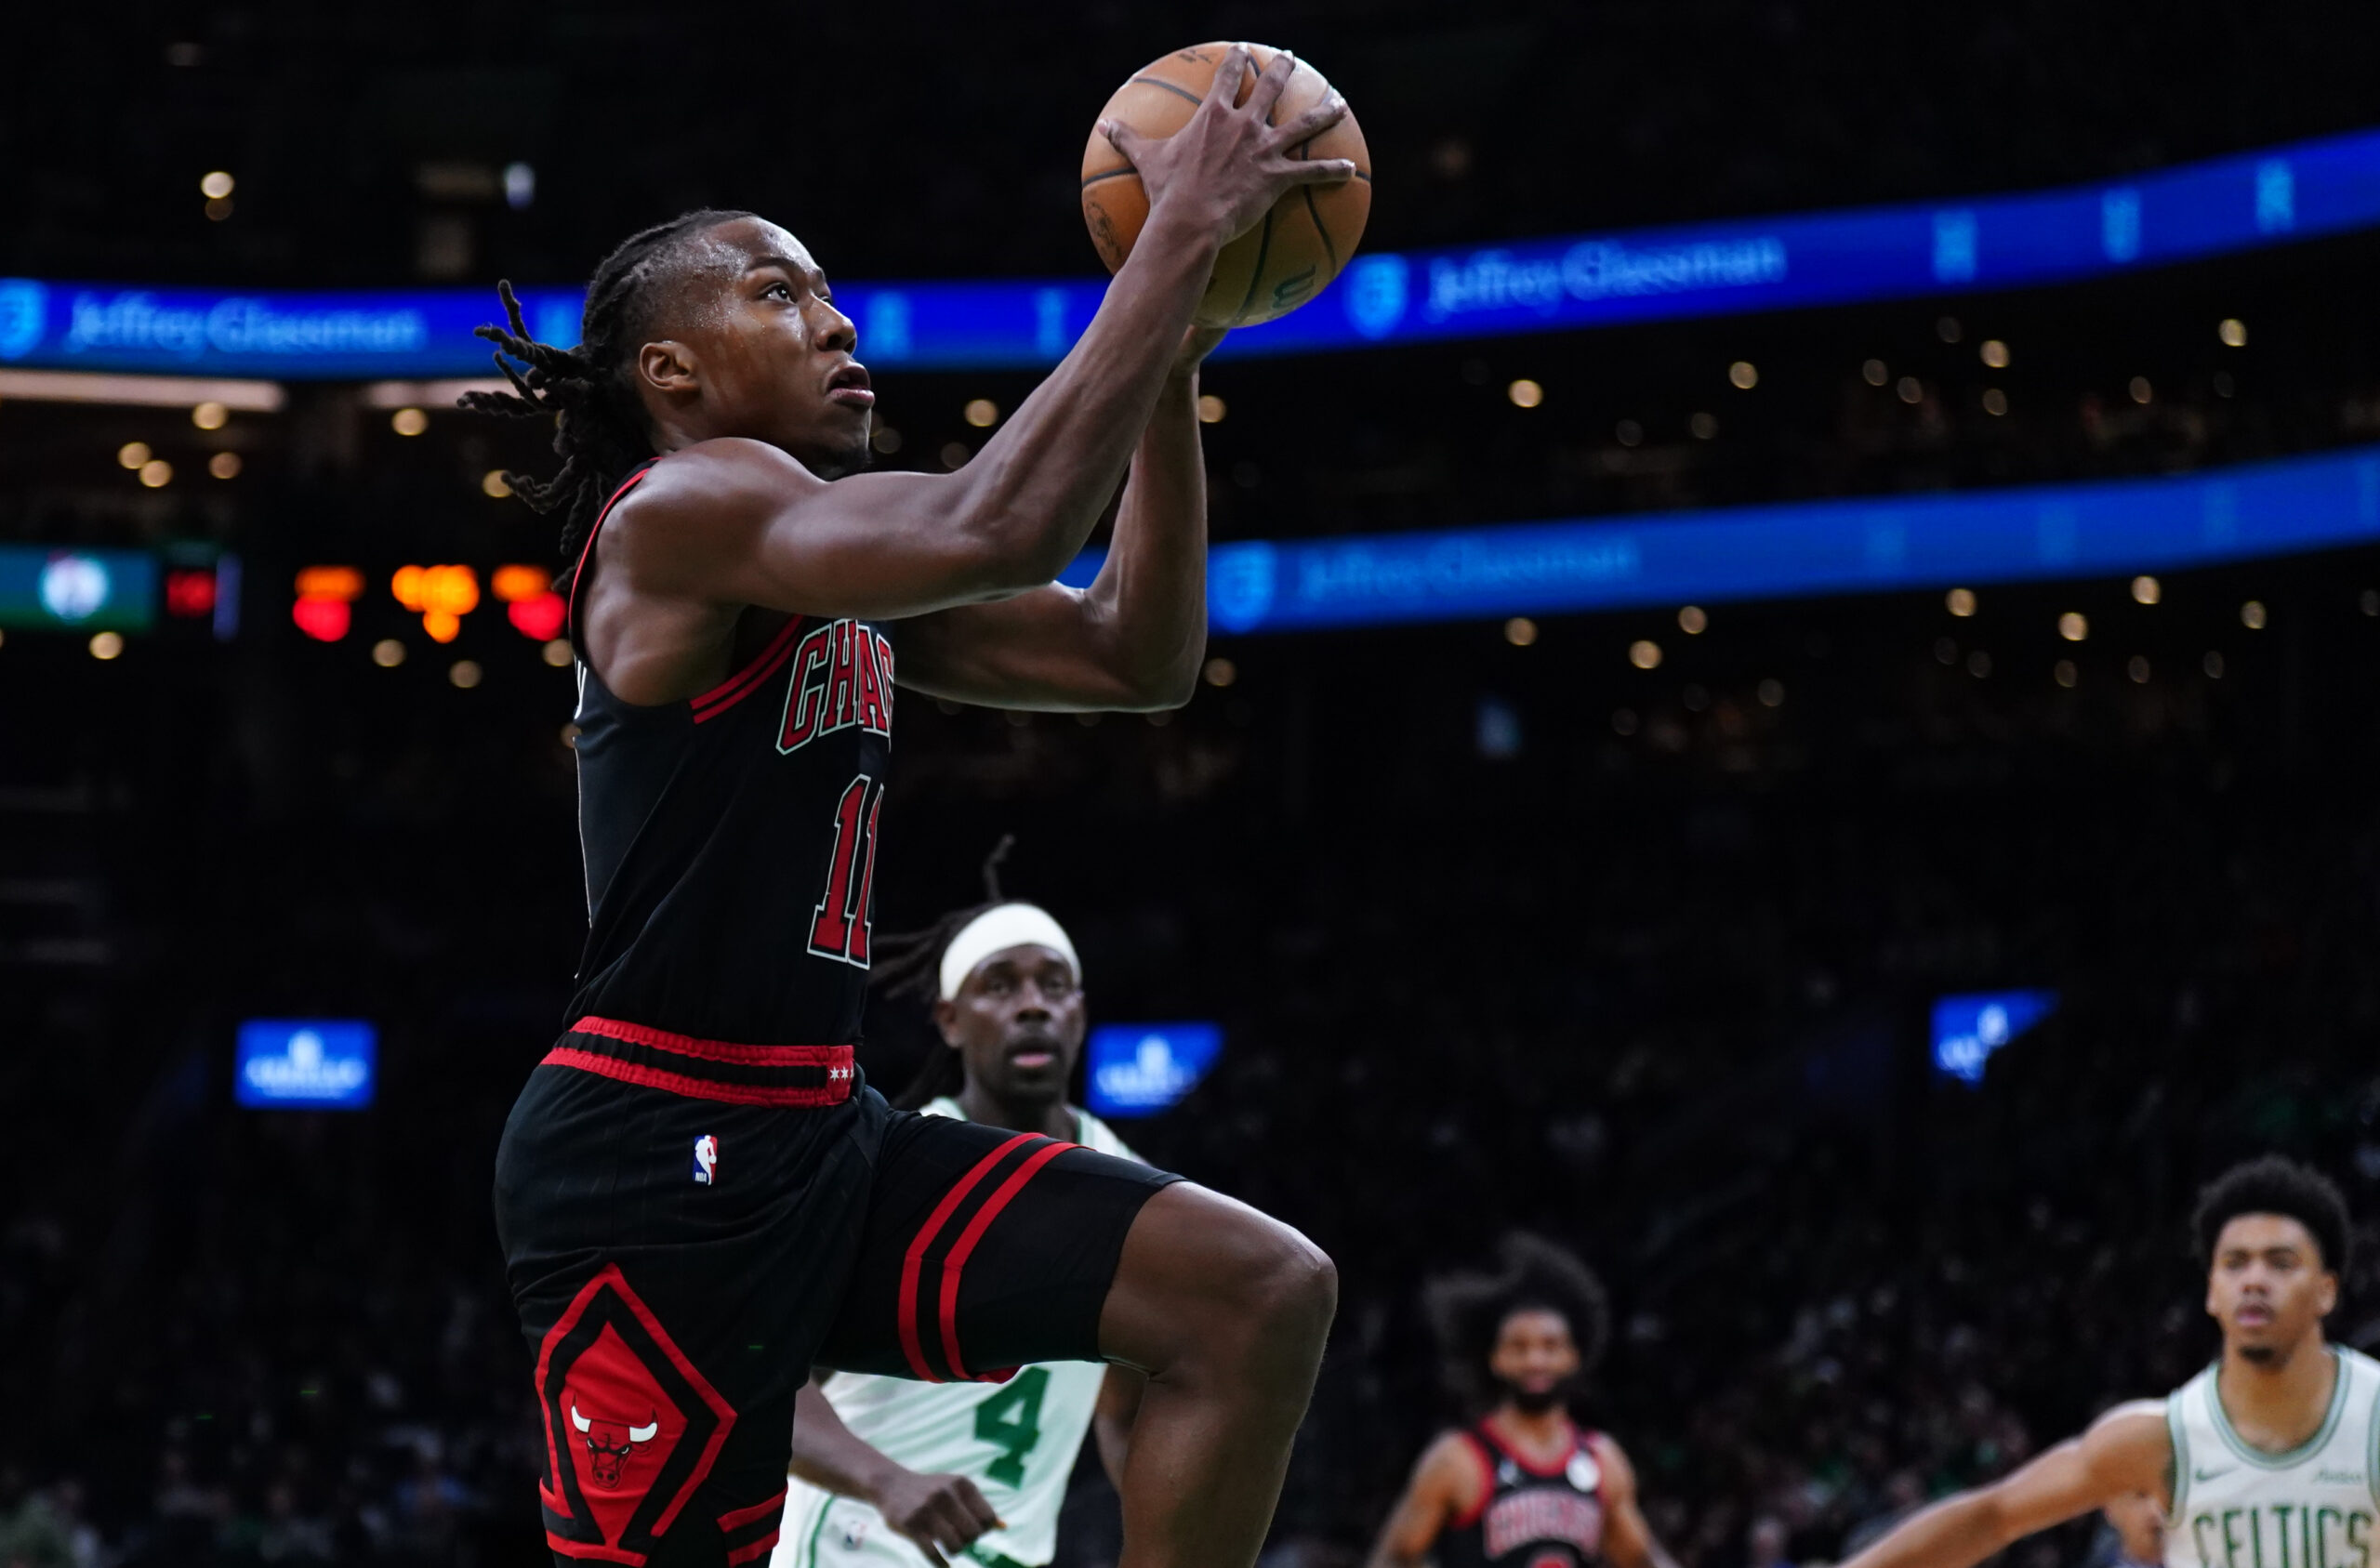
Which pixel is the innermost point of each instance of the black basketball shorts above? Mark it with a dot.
(681, 1262)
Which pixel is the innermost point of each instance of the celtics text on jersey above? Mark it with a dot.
(2239, 1506)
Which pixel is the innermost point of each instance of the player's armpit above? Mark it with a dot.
(736, 522)
(1448, 1484)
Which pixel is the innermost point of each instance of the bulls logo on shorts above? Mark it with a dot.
(631, 1426)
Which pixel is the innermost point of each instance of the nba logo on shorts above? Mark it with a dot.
(706, 1160)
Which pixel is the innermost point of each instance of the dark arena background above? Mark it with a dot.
(1682, 896)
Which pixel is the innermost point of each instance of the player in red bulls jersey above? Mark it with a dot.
(1522, 1487)
(698, 1199)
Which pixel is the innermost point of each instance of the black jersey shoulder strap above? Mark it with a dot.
(587, 550)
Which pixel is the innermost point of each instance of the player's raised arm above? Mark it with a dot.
(1135, 638)
(739, 516)
(1447, 1484)
(2125, 1451)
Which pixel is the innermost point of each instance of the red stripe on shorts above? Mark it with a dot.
(952, 1265)
(913, 1264)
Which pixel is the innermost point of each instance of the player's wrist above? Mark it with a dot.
(1176, 235)
(877, 1483)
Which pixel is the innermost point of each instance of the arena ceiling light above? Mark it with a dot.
(141, 391)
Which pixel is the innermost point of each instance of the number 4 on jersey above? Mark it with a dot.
(1010, 1421)
(839, 927)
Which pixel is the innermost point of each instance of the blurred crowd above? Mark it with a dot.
(1661, 1001)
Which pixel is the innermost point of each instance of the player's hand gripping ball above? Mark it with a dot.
(1301, 244)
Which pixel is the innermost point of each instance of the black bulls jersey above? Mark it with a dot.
(1531, 1516)
(731, 839)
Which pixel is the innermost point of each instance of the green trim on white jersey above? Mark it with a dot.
(2236, 1506)
(1016, 1440)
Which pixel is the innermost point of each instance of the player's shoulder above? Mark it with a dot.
(2132, 1443)
(1605, 1451)
(1098, 1137)
(715, 482)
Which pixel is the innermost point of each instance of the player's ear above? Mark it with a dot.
(668, 366)
(2327, 1298)
(945, 1019)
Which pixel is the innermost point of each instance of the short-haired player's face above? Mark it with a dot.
(1017, 1024)
(2268, 1286)
(772, 357)
(1535, 1357)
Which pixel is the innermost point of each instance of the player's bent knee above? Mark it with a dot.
(1208, 1281)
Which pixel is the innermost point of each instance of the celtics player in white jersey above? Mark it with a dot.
(890, 1473)
(2269, 1459)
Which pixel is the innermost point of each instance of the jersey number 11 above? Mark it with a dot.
(839, 926)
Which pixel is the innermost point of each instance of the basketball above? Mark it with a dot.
(1301, 243)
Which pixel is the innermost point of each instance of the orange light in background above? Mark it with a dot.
(342, 582)
(325, 595)
(442, 596)
(513, 583)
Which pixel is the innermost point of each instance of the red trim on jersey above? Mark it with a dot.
(913, 1264)
(831, 1093)
(1479, 1455)
(741, 1517)
(570, 619)
(746, 681)
(714, 1051)
(599, 1553)
(957, 1261)
(1543, 1472)
(757, 1551)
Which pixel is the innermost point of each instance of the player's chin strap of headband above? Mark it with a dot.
(998, 929)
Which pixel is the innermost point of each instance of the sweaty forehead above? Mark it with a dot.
(745, 243)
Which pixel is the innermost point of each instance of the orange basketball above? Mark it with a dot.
(1301, 243)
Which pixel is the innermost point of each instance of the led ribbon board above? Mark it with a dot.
(1141, 1069)
(2299, 192)
(1870, 546)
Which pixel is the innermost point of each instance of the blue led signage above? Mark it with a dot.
(1968, 1028)
(1141, 1069)
(310, 1064)
(2257, 199)
(1867, 546)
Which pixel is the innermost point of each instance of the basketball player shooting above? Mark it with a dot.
(697, 1198)
(1523, 1486)
(2263, 1460)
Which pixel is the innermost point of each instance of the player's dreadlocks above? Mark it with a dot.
(1468, 1310)
(2274, 1185)
(909, 964)
(599, 431)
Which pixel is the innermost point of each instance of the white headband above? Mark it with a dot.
(998, 929)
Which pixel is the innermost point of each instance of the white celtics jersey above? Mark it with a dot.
(2314, 1507)
(1017, 1440)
